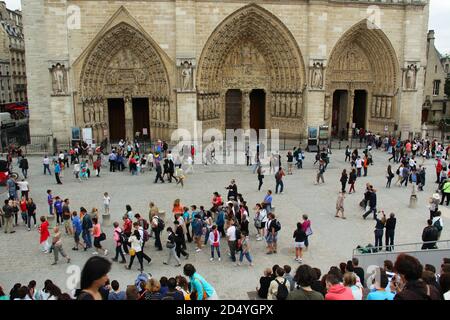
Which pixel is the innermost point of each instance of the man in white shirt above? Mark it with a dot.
(231, 237)
(46, 163)
(24, 188)
(189, 167)
(150, 161)
(358, 166)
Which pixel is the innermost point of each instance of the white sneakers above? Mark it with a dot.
(106, 252)
(219, 259)
(198, 250)
(211, 259)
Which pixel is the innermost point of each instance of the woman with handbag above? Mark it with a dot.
(200, 289)
(306, 227)
(99, 236)
(171, 246)
(136, 250)
(260, 221)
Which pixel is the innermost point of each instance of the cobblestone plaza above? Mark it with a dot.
(332, 242)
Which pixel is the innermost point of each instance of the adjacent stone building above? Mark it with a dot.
(121, 67)
(436, 101)
(13, 85)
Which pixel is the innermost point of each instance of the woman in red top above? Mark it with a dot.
(97, 166)
(98, 237)
(177, 208)
(216, 201)
(306, 227)
(43, 230)
(24, 210)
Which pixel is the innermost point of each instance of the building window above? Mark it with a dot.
(435, 69)
(436, 85)
(446, 68)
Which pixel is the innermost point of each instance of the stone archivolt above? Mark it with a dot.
(251, 49)
(364, 59)
(124, 63)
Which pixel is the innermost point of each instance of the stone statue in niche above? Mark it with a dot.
(383, 107)
(185, 75)
(217, 106)
(158, 109)
(200, 108)
(388, 107)
(279, 104)
(102, 111)
(410, 77)
(274, 105)
(299, 105)
(59, 79)
(378, 110)
(316, 76)
(166, 110)
(374, 107)
(327, 107)
(86, 111)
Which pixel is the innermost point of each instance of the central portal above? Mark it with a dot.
(141, 117)
(258, 109)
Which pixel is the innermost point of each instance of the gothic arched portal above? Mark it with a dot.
(124, 86)
(362, 81)
(252, 50)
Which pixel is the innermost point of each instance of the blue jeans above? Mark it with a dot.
(47, 167)
(50, 209)
(87, 238)
(247, 255)
(212, 251)
(207, 236)
(278, 184)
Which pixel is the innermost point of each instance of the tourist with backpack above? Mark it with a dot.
(438, 223)
(320, 172)
(278, 289)
(214, 241)
(180, 240)
(144, 225)
(119, 240)
(430, 235)
(200, 289)
(279, 180)
(157, 226)
(273, 226)
(197, 231)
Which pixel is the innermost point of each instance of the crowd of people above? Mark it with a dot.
(404, 279)
(96, 285)
(227, 220)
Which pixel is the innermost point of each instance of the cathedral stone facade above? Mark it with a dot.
(150, 67)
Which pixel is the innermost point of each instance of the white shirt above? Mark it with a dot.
(61, 156)
(23, 185)
(231, 233)
(211, 238)
(150, 157)
(358, 163)
(46, 161)
(189, 160)
(106, 200)
(76, 167)
(170, 157)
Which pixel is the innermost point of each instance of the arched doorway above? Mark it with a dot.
(257, 109)
(362, 79)
(233, 109)
(124, 86)
(252, 51)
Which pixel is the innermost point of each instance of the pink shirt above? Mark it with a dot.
(305, 225)
(96, 232)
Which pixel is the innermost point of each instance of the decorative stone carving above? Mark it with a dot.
(200, 107)
(327, 107)
(185, 69)
(410, 76)
(58, 73)
(388, 107)
(383, 107)
(246, 105)
(317, 75)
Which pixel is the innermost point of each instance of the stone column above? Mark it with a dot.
(246, 110)
(350, 106)
(128, 118)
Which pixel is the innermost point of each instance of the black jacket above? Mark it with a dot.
(23, 164)
(430, 233)
(390, 223)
